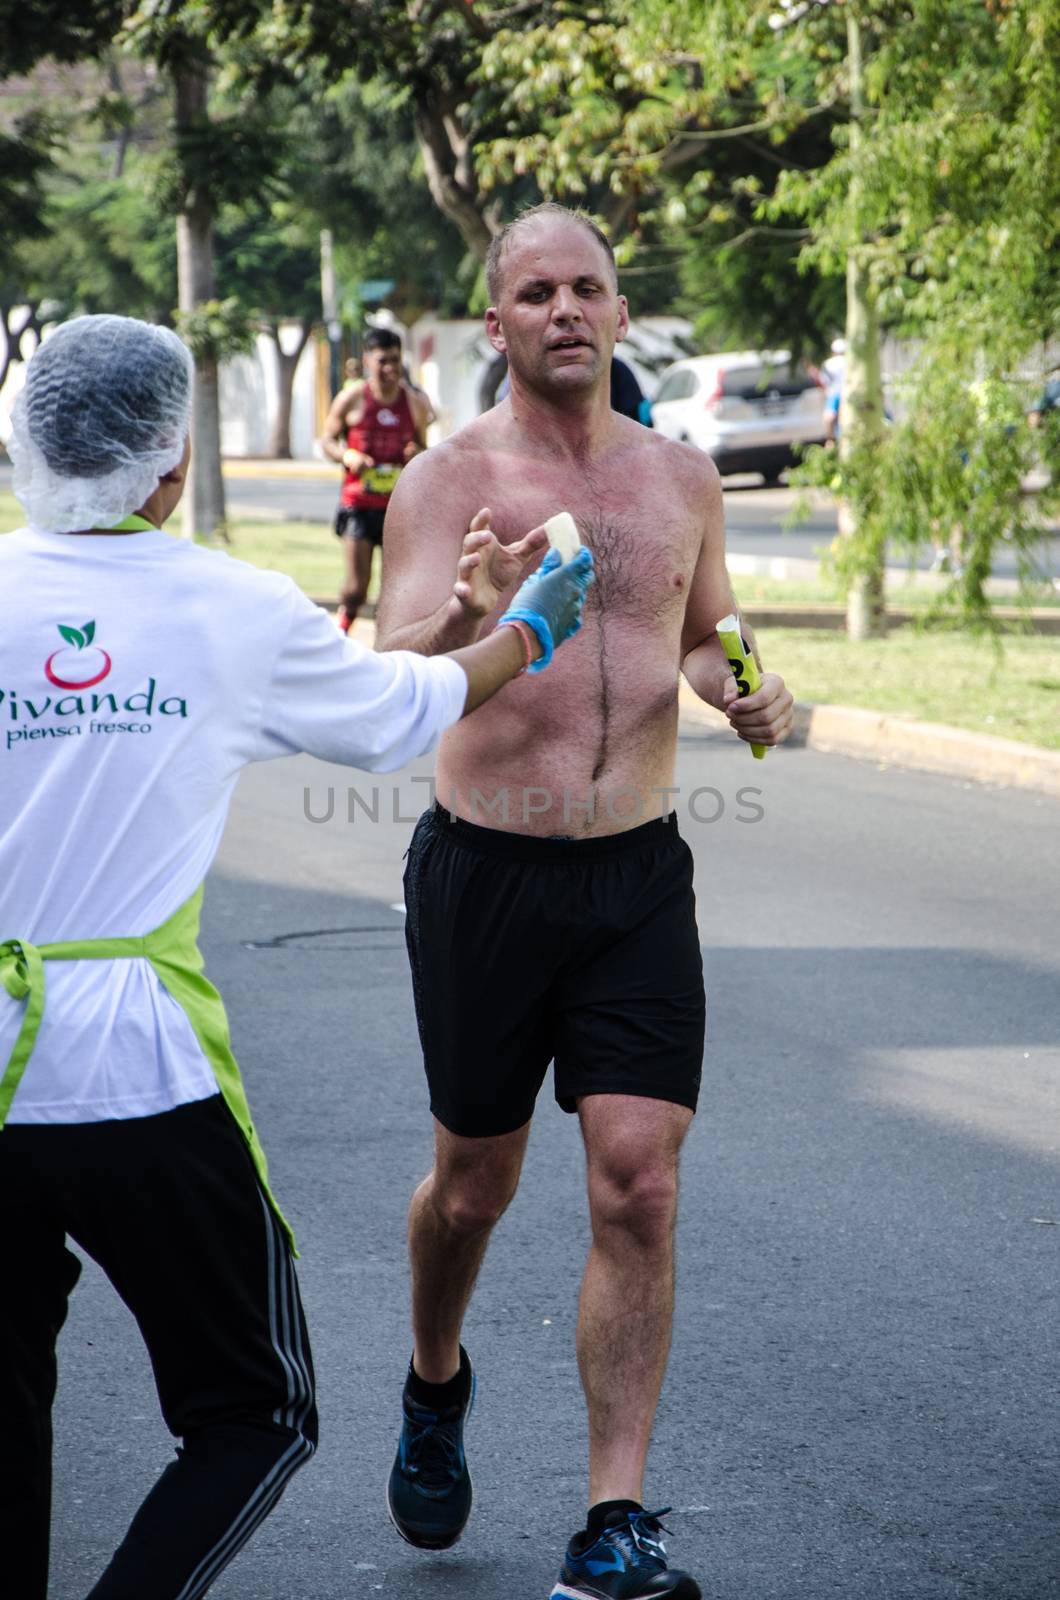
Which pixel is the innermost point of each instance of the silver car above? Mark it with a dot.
(746, 409)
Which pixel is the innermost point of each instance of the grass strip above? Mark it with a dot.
(955, 678)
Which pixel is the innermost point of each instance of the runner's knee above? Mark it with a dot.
(471, 1203)
(635, 1194)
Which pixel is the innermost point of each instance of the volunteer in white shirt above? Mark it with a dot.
(138, 674)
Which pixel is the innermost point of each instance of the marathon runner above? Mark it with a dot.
(373, 428)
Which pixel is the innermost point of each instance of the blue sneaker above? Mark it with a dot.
(624, 1562)
(429, 1492)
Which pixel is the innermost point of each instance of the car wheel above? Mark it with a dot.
(771, 479)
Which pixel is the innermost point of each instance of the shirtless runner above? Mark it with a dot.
(559, 795)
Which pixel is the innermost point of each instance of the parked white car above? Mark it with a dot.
(746, 409)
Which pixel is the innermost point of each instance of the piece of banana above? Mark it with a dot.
(562, 533)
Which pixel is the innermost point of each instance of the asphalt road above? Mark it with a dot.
(754, 519)
(862, 1394)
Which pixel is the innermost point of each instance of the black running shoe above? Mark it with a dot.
(429, 1492)
(625, 1562)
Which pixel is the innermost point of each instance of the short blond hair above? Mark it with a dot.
(548, 208)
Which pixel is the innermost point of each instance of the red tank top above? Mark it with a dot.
(382, 433)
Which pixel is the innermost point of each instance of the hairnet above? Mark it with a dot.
(103, 414)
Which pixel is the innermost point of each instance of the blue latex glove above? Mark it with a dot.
(550, 601)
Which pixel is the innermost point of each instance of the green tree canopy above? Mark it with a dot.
(65, 30)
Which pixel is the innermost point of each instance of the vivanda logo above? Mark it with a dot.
(80, 666)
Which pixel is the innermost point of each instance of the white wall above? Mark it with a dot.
(249, 389)
(449, 359)
(16, 377)
(249, 392)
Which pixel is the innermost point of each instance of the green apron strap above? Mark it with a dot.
(22, 975)
(177, 962)
(173, 951)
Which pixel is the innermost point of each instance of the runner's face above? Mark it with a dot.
(559, 314)
(383, 367)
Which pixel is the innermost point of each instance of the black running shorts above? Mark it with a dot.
(361, 522)
(526, 950)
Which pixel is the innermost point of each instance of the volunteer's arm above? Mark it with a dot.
(764, 717)
(495, 661)
(445, 571)
(334, 699)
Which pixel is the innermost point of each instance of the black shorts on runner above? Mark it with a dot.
(361, 522)
(524, 951)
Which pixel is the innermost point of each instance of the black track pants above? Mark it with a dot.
(171, 1208)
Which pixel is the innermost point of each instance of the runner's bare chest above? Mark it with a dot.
(644, 535)
(608, 715)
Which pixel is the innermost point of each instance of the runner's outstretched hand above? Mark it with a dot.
(487, 569)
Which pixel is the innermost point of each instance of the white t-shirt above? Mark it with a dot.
(138, 674)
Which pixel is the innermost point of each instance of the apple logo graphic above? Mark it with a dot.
(81, 665)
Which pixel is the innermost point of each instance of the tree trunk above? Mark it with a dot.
(329, 304)
(124, 132)
(447, 162)
(860, 424)
(279, 446)
(861, 406)
(204, 506)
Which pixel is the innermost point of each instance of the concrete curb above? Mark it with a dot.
(903, 742)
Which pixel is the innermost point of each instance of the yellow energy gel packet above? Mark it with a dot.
(744, 666)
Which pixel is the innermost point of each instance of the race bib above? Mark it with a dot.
(381, 480)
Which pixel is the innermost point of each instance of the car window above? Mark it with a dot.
(678, 385)
(751, 383)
